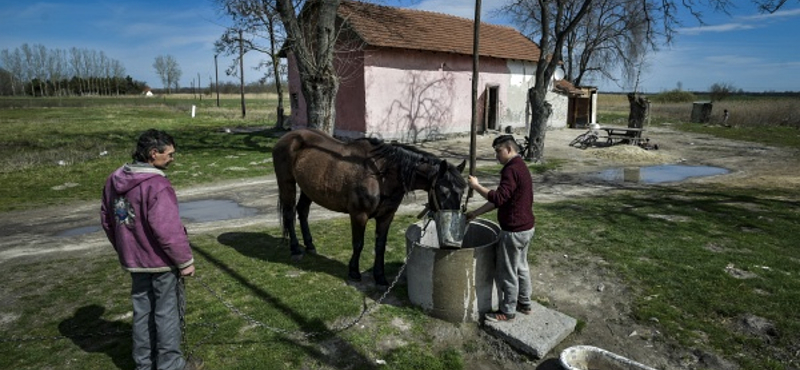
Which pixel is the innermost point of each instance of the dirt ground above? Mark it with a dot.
(580, 286)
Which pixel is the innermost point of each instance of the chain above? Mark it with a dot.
(214, 327)
(364, 312)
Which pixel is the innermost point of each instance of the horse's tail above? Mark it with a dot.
(280, 207)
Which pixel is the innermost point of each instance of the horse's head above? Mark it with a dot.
(447, 187)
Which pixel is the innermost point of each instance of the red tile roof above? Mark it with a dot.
(385, 26)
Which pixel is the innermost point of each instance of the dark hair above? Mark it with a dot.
(506, 141)
(149, 140)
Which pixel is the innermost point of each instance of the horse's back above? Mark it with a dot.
(326, 169)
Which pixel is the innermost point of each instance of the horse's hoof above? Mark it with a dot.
(297, 257)
(354, 277)
(311, 251)
(381, 282)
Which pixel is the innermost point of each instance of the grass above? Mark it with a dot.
(46, 149)
(678, 262)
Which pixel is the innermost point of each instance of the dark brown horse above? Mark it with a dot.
(365, 178)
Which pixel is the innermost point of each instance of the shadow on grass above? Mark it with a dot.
(265, 247)
(93, 334)
(261, 246)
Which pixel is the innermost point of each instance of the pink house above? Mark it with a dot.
(406, 75)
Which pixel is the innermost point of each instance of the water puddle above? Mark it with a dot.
(658, 174)
(197, 211)
(214, 210)
(79, 231)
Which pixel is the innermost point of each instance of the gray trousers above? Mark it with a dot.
(156, 321)
(513, 273)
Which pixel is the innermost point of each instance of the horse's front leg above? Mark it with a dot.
(358, 223)
(382, 225)
(303, 207)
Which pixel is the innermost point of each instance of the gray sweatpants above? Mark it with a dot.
(513, 273)
(156, 321)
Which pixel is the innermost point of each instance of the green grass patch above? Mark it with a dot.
(46, 150)
(675, 248)
(678, 249)
(56, 312)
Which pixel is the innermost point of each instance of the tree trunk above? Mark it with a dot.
(540, 112)
(313, 53)
(639, 110)
(276, 72)
(320, 97)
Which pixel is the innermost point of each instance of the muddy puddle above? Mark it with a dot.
(197, 211)
(657, 174)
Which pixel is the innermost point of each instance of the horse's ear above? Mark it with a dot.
(460, 167)
(443, 168)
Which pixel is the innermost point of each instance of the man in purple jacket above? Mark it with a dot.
(140, 216)
(513, 199)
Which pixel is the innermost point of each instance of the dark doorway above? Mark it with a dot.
(492, 105)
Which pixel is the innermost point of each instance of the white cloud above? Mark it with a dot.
(727, 27)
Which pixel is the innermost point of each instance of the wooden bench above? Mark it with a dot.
(622, 134)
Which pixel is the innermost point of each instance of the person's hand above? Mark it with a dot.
(473, 182)
(470, 216)
(187, 271)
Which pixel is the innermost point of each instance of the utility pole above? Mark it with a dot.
(241, 71)
(216, 78)
(474, 125)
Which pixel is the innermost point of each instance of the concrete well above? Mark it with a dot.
(454, 284)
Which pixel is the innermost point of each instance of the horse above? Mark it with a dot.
(366, 178)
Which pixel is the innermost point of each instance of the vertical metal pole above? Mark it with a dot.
(216, 78)
(475, 75)
(241, 71)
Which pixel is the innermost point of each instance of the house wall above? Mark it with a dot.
(414, 96)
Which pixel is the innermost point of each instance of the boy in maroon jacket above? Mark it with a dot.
(513, 199)
(140, 216)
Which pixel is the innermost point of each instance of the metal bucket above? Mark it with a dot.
(451, 226)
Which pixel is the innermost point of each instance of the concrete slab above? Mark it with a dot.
(534, 334)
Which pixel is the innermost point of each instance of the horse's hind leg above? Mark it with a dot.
(287, 199)
(303, 207)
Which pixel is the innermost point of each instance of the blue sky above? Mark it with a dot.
(749, 50)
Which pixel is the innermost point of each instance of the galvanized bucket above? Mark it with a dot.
(451, 226)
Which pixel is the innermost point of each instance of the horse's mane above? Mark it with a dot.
(405, 157)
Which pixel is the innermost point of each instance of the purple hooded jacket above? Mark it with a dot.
(140, 217)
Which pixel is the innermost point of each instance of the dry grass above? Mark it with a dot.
(744, 111)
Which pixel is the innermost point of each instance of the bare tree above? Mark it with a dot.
(721, 90)
(12, 62)
(311, 44)
(259, 20)
(168, 71)
(557, 20)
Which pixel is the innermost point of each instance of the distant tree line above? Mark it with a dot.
(35, 70)
(225, 88)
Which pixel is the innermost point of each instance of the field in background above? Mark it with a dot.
(773, 120)
(74, 143)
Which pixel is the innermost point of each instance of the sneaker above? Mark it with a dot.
(193, 363)
(524, 309)
(499, 316)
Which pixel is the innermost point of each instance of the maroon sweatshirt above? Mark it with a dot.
(514, 197)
